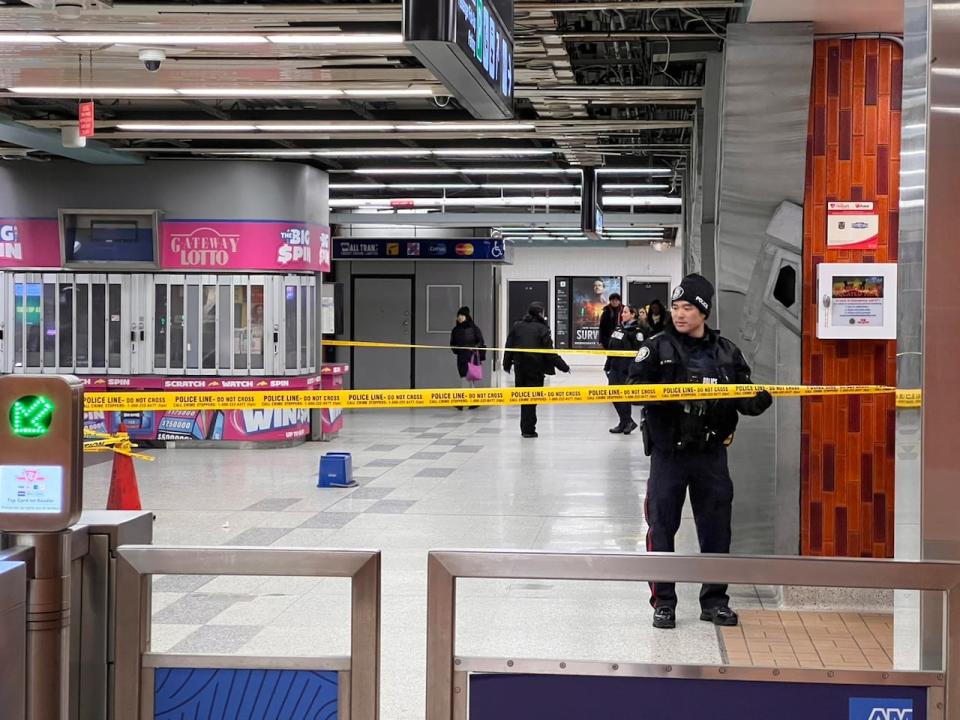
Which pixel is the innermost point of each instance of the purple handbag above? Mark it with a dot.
(474, 368)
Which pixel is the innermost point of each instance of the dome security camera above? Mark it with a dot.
(69, 9)
(152, 59)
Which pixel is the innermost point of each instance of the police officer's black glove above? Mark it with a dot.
(761, 402)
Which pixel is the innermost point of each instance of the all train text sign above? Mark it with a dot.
(244, 245)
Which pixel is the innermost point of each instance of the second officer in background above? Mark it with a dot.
(626, 337)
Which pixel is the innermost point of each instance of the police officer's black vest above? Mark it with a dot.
(674, 365)
(699, 424)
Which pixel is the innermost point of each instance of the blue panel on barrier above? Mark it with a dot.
(224, 694)
(521, 697)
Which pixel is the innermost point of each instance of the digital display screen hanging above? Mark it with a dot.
(468, 46)
(481, 34)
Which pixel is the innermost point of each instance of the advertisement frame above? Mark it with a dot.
(574, 342)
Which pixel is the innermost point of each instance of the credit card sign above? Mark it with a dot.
(31, 489)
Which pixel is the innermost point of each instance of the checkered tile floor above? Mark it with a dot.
(850, 641)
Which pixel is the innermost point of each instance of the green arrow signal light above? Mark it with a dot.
(30, 416)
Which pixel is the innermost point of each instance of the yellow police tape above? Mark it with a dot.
(540, 351)
(353, 399)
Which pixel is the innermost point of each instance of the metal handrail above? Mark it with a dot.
(137, 563)
(446, 700)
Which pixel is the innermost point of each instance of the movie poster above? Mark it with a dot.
(590, 296)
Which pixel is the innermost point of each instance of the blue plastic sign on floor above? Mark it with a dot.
(336, 470)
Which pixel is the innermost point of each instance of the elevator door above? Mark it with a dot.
(65, 323)
(382, 312)
(523, 293)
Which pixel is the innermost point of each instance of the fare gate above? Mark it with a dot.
(164, 686)
(473, 688)
(91, 546)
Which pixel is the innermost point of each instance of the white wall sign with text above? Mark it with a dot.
(852, 226)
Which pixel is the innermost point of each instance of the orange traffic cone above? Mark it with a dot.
(124, 492)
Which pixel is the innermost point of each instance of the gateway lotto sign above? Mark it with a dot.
(244, 245)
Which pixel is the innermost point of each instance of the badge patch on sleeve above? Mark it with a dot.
(643, 354)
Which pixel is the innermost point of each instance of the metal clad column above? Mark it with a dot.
(765, 112)
(940, 492)
(910, 257)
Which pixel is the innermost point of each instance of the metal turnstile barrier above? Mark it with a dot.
(449, 676)
(13, 639)
(90, 547)
(347, 685)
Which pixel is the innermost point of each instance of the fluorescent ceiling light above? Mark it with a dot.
(393, 92)
(634, 186)
(324, 127)
(185, 127)
(78, 91)
(467, 171)
(319, 126)
(373, 152)
(405, 186)
(635, 171)
(454, 186)
(459, 202)
(337, 39)
(646, 201)
(463, 126)
(162, 39)
(268, 92)
(480, 152)
(27, 38)
(529, 186)
(426, 152)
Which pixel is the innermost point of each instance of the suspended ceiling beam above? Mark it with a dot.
(49, 141)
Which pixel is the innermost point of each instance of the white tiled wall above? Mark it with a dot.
(639, 263)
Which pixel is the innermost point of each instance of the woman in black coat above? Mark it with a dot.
(628, 336)
(466, 334)
(656, 318)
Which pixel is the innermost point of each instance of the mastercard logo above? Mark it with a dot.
(464, 249)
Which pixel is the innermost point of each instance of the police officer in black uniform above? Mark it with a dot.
(687, 441)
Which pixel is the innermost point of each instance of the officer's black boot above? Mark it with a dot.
(664, 618)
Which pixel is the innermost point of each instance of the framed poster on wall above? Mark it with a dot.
(857, 301)
(589, 296)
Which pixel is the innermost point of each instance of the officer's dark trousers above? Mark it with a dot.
(624, 410)
(528, 413)
(711, 494)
